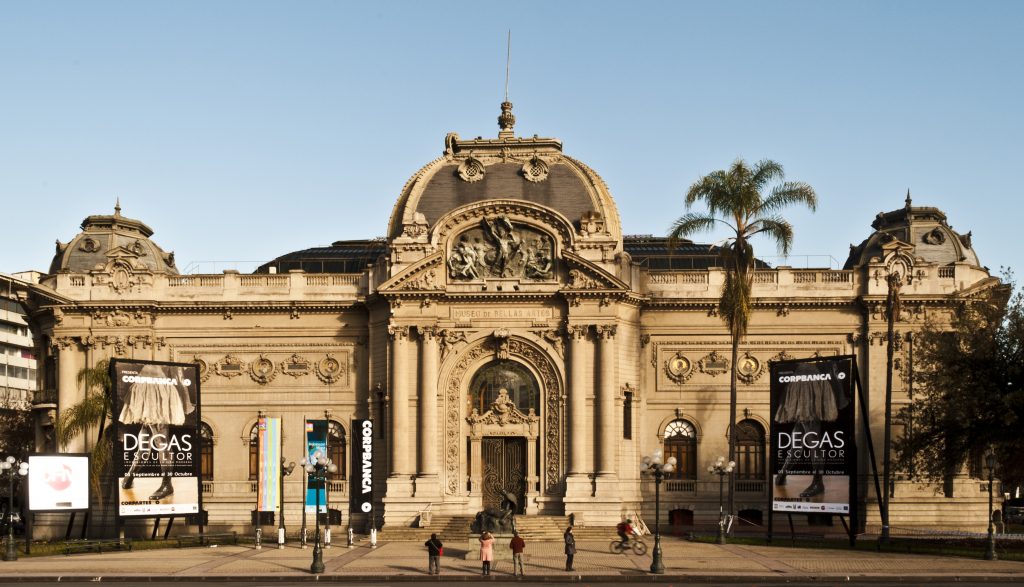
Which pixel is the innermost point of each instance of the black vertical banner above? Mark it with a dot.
(157, 440)
(361, 492)
(813, 456)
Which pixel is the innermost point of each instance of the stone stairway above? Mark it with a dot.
(454, 528)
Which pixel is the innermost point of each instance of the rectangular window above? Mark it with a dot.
(627, 415)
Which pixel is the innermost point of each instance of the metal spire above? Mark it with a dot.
(117, 207)
(506, 120)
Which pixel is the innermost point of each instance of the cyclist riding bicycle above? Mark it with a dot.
(625, 530)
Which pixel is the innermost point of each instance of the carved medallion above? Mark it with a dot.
(88, 245)
(262, 370)
(713, 364)
(229, 366)
(203, 368)
(679, 368)
(535, 170)
(749, 368)
(329, 369)
(471, 170)
(934, 237)
(295, 366)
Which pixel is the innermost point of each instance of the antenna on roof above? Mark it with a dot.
(506, 120)
(508, 61)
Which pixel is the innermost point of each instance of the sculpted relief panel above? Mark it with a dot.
(500, 248)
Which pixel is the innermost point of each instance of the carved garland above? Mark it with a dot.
(552, 417)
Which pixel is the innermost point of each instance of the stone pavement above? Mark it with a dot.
(399, 561)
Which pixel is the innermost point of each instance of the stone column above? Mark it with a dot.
(402, 425)
(69, 363)
(579, 423)
(429, 441)
(610, 439)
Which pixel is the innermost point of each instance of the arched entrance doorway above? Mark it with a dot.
(504, 401)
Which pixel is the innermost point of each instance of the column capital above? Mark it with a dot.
(606, 331)
(428, 332)
(577, 331)
(396, 331)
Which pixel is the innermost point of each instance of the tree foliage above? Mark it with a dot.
(746, 200)
(91, 413)
(969, 375)
(17, 433)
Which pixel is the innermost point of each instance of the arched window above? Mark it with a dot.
(336, 449)
(206, 451)
(681, 443)
(750, 452)
(254, 452)
(517, 381)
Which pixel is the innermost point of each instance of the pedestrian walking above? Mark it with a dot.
(486, 551)
(518, 545)
(570, 549)
(434, 549)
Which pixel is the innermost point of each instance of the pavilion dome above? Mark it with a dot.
(923, 227)
(107, 237)
(509, 167)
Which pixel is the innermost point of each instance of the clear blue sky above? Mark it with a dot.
(243, 130)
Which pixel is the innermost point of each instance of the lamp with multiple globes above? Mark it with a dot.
(658, 467)
(721, 468)
(11, 467)
(318, 468)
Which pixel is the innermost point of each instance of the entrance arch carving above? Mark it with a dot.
(456, 387)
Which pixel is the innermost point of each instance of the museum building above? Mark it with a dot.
(505, 336)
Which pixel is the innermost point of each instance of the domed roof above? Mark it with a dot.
(925, 228)
(106, 237)
(508, 168)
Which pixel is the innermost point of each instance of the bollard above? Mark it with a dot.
(373, 538)
(302, 538)
(259, 538)
(280, 537)
(351, 537)
(327, 538)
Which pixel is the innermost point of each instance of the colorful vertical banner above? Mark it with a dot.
(157, 441)
(813, 457)
(362, 467)
(268, 491)
(316, 440)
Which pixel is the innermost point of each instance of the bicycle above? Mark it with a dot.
(635, 544)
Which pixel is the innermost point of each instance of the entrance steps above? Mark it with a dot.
(531, 528)
(454, 528)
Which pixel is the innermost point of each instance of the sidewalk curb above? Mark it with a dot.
(638, 578)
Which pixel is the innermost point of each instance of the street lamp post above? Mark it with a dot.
(285, 471)
(11, 466)
(990, 547)
(721, 468)
(656, 466)
(318, 468)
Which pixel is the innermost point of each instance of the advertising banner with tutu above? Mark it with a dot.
(813, 455)
(157, 441)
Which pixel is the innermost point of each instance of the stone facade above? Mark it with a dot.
(504, 261)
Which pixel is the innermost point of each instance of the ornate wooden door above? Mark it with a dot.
(504, 470)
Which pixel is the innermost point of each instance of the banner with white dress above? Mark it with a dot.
(156, 437)
(813, 454)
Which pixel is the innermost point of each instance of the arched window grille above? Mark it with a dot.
(750, 450)
(254, 452)
(681, 443)
(336, 449)
(206, 468)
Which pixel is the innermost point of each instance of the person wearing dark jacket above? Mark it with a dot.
(570, 548)
(517, 545)
(434, 546)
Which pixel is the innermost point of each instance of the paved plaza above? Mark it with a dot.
(408, 561)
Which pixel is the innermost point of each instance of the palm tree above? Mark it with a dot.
(92, 412)
(735, 198)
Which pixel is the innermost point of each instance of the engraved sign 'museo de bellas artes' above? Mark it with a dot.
(505, 337)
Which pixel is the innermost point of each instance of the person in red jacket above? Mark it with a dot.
(518, 545)
(625, 530)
